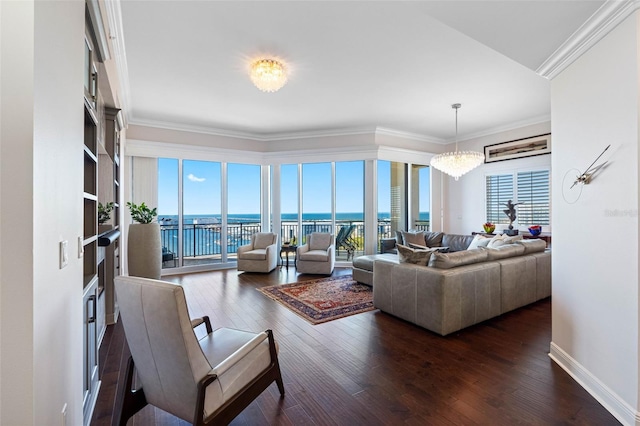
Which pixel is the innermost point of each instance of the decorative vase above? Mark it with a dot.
(489, 228)
(144, 250)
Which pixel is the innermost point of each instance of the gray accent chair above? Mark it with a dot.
(204, 381)
(317, 256)
(260, 255)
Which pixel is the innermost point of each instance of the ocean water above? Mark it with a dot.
(202, 235)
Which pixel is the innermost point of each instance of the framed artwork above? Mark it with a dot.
(527, 147)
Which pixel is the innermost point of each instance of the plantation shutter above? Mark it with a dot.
(533, 192)
(499, 190)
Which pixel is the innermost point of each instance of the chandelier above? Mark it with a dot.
(459, 162)
(268, 75)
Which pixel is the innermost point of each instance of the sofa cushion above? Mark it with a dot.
(504, 251)
(412, 238)
(433, 239)
(315, 255)
(263, 240)
(319, 241)
(459, 258)
(417, 257)
(456, 242)
(478, 241)
(533, 246)
(418, 246)
(366, 262)
(257, 254)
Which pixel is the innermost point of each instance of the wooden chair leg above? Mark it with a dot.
(133, 400)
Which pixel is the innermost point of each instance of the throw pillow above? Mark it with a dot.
(412, 238)
(418, 246)
(262, 240)
(478, 241)
(512, 239)
(417, 257)
(496, 241)
(319, 241)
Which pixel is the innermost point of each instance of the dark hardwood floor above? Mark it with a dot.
(374, 369)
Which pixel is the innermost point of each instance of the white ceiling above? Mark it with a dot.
(354, 65)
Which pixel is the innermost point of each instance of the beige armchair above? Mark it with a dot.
(261, 255)
(317, 255)
(206, 381)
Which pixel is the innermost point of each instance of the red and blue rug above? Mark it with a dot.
(324, 299)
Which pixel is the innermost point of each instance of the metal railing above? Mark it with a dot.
(205, 240)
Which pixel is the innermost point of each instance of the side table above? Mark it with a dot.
(286, 250)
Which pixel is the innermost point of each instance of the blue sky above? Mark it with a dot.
(201, 186)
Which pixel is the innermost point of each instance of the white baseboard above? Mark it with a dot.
(620, 409)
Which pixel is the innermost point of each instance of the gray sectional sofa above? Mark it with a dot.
(458, 289)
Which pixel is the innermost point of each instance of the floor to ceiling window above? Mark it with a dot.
(420, 197)
(316, 198)
(392, 198)
(202, 212)
(168, 210)
(289, 203)
(349, 209)
(243, 201)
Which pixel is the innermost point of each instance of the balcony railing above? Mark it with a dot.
(204, 241)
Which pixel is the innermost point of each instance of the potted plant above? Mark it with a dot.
(144, 245)
(104, 215)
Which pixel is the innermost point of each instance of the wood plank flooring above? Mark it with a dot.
(374, 369)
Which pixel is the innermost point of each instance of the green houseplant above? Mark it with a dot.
(104, 212)
(144, 245)
(141, 213)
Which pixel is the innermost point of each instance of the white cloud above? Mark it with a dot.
(194, 178)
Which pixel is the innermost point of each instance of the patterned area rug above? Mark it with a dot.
(323, 299)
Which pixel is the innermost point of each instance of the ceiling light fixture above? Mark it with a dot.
(268, 75)
(459, 162)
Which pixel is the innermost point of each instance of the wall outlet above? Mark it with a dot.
(64, 253)
(80, 247)
(64, 414)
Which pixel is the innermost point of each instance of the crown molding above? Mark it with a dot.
(116, 35)
(285, 136)
(605, 19)
(408, 135)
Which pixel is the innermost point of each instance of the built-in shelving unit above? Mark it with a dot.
(90, 234)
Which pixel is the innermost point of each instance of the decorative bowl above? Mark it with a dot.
(489, 228)
(535, 231)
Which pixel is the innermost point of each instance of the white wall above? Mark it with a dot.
(595, 250)
(42, 183)
(465, 210)
(16, 212)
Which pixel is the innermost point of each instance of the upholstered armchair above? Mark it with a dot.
(203, 381)
(260, 255)
(317, 255)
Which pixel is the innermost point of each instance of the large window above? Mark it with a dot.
(349, 209)
(530, 189)
(420, 197)
(289, 202)
(243, 198)
(202, 212)
(316, 198)
(168, 196)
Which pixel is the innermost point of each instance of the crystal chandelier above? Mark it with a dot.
(268, 75)
(459, 162)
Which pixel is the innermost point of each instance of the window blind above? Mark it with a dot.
(499, 190)
(533, 192)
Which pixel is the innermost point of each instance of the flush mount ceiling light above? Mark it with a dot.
(268, 75)
(459, 162)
